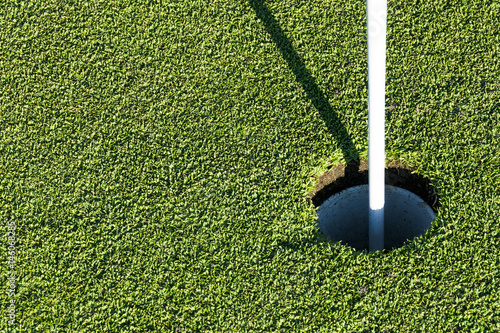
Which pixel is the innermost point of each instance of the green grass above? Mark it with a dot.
(155, 158)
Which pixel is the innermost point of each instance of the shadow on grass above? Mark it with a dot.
(304, 77)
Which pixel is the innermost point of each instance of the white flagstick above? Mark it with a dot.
(376, 26)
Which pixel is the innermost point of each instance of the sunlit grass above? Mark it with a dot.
(155, 158)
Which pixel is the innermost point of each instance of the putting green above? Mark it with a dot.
(156, 159)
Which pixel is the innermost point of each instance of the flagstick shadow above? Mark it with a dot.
(308, 83)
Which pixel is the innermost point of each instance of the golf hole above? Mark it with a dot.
(341, 196)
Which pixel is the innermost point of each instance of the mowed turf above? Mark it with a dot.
(156, 157)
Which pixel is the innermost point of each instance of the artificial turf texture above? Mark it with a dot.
(155, 158)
